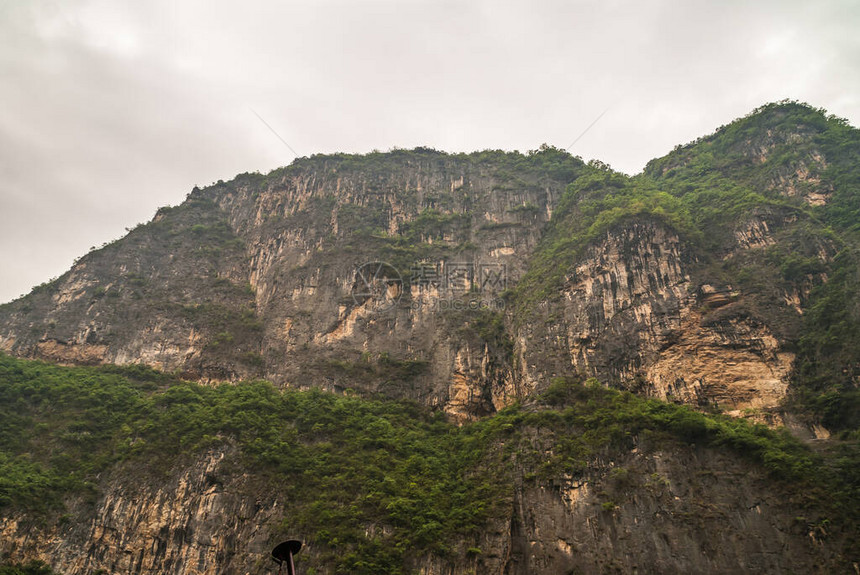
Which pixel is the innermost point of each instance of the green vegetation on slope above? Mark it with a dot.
(703, 212)
(769, 146)
(593, 204)
(342, 463)
(31, 568)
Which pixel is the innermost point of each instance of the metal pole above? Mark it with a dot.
(291, 568)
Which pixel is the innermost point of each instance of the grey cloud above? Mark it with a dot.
(111, 108)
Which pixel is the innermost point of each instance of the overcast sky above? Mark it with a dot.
(112, 108)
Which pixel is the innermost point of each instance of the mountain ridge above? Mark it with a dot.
(582, 336)
(244, 238)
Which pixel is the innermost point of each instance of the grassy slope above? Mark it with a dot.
(360, 461)
(31, 568)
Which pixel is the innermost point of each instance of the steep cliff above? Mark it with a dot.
(651, 511)
(255, 277)
(688, 282)
(691, 282)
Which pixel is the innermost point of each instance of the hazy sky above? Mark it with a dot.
(112, 108)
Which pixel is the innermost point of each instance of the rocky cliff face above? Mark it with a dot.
(633, 311)
(672, 510)
(160, 296)
(256, 278)
(657, 513)
(191, 523)
(701, 300)
(259, 276)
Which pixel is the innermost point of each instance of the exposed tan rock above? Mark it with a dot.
(469, 395)
(192, 525)
(7, 343)
(61, 352)
(802, 180)
(754, 233)
(733, 366)
(632, 314)
(631, 285)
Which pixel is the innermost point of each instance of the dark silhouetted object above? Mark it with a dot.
(283, 553)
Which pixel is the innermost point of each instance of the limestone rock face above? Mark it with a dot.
(633, 311)
(625, 300)
(734, 364)
(261, 277)
(192, 524)
(256, 278)
(672, 511)
(657, 514)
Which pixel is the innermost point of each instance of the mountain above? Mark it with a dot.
(486, 362)
(254, 277)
